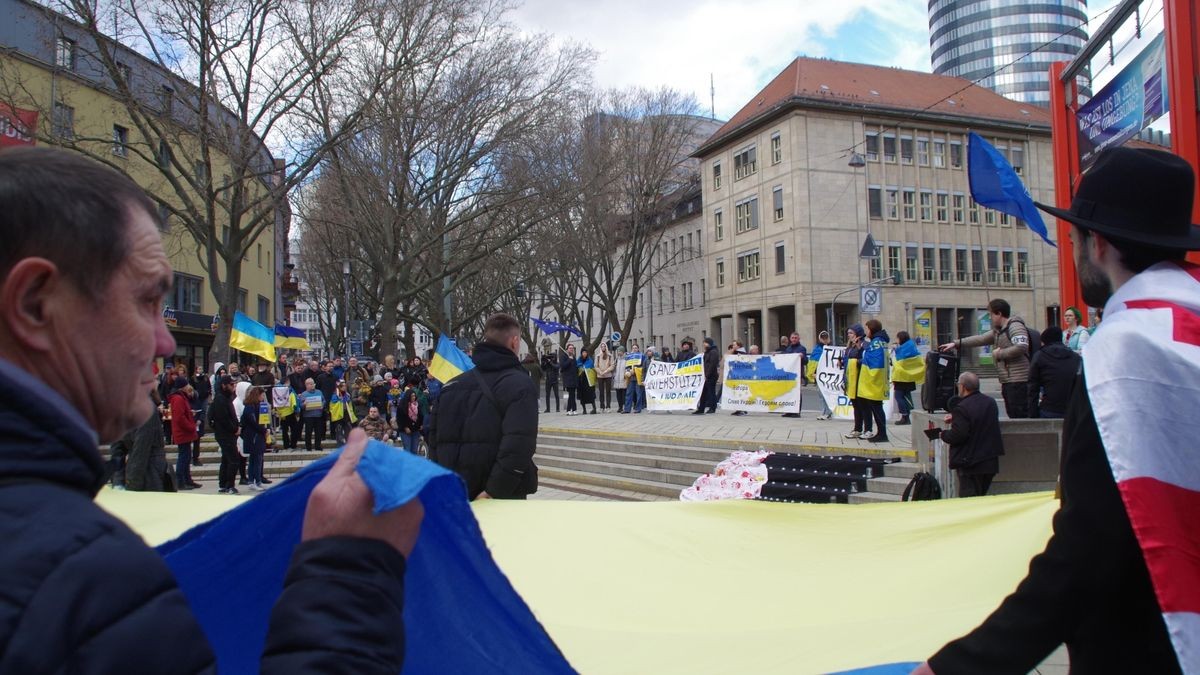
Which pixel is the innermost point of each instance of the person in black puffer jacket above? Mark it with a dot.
(489, 440)
(1052, 376)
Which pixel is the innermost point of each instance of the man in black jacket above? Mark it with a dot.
(82, 592)
(708, 394)
(225, 430)
(973, 437)
(1091, 588)
(485, 424)
(686, 351)
(1052, 376)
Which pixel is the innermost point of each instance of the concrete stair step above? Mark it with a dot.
(650, 475)
(569, 475)
(886, 485)
(695, 466)
(905, 470)
(726, 445)
(873, 498)
(211, 446)
(282, 456)
(681, 450)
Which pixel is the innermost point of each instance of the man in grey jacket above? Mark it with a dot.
(1009, 338)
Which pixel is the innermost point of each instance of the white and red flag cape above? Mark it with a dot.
(1143, 378)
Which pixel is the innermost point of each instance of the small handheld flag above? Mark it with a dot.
(448, 361)
(994, 184)
(289, 337)
(252, 337)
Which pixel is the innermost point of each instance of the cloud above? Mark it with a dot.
(679, 44)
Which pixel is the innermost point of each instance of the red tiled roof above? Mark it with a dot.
(879, 88)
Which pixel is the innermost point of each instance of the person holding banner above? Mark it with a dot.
(635, 400)
(814, 360)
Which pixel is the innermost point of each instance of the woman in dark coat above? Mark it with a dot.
(569, 370)
(587, 391)
(254, 437)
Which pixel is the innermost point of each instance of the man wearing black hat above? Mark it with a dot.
(708, 395)
(1117, 581)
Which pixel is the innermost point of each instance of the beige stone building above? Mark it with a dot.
(830, 152)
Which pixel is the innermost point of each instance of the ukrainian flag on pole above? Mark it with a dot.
(252, 337)
(448, 361)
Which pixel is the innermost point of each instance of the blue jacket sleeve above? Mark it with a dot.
(341, 611)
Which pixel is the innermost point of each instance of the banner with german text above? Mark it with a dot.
(674, 386)
(766, 383)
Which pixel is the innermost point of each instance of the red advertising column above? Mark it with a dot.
(1180, 35)
(1064, 132)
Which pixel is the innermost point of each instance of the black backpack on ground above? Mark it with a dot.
(941, 378)
(922, 487)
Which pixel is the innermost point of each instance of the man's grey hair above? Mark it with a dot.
(969, 381)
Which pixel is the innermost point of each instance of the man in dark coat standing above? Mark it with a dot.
(225, 429)
(973, 437)
(1097, 587)
(1052, 376)
(686, 351)
(485, 424)
(82, 592)
(708, 395)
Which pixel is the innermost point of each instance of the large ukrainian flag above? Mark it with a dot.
(250, 336)
(908, 366)
(290, 338)
(448, 361)
(872, 372)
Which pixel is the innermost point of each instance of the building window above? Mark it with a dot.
(243, 296)
(780, 258)
(164, 217)
(893, 203)
(923, 151)
(200, 170)
(720, 273)
(660, 302)
(959, 202)
(777, 202)
(872, 147)
(699, 244)
(672, 299)
(876, 268)
(748, 266)
(718, 225)
(166, 99)
(875, 202)
(976, 265)
(1023, 268)
(894, 260)
(65, 53)
(1006, 267)
(691, 252)
(960, 265)
(164, 155)
(973, 213)
(956, 155)
(889, 148)
(64, 121)
(259, 255)
(186, 294)
(926, 205)
(120, 141)
(1018, 158)
(910, 210)
(945, 264)
(641, 304)
(928, 256)
(910, 262)
(264, 311)
(993, 266)
(745, 163)
(942, 212)
(989, 217)
(716, 175)
(776, 149)
(906, 150)
(746, 215)
(939, 154)
(703, 292)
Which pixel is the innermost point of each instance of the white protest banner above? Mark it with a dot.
(674, 386)
(831, 382)
(766, 383)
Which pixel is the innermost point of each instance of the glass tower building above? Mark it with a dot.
(1006, 45)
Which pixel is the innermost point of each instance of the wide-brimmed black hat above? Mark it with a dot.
(1136, 195)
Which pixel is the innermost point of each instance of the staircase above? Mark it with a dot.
(664, 465)
(890, 486)
(275, 464)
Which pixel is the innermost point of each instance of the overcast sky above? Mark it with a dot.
(679, 43)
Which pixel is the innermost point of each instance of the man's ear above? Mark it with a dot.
(28, 299)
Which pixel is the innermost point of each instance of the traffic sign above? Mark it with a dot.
(616, 336)
(870, 300)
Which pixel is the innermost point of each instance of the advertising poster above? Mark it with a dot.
(985, 325)
(767, 383)
(1126, 105)
(17, 126)
(831, 382)
(674, 386)
(923, 328)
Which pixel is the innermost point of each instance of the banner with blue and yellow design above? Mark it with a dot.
(674, 386)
